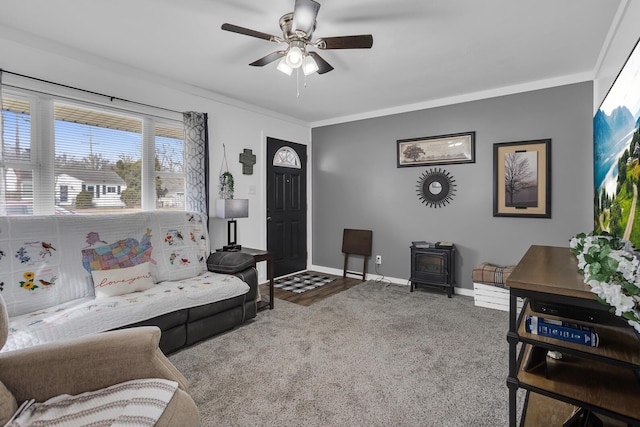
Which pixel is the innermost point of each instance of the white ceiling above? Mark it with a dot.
(423, 50)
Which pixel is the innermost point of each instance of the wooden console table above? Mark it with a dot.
(259, 255)
(603, 381)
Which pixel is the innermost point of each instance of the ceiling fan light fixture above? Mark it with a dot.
(284, 67)
(294, 57)
(297, 32)
(309, 65)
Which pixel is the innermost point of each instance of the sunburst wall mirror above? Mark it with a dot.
(436, 188)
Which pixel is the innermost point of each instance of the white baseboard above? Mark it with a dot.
(463, 291)
(394, 280)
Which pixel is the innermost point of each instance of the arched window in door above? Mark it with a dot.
(287, 157)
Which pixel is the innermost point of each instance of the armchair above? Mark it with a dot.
(90, 363)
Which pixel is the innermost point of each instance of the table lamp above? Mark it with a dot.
(232, 208)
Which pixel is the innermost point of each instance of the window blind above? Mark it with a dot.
(64, 157)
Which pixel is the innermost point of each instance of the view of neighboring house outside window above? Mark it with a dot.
(169, 167)
(91, 162)
(16, 156)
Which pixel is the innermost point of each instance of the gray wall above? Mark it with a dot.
(356, 182)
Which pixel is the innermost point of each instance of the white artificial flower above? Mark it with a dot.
(581, 261)
(596, 288)
(612, 289)
(621, 302)
(627, 269)
(628, 246)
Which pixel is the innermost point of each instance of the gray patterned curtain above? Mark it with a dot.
(196, 146)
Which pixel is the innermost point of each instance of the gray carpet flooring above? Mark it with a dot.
(373, 355)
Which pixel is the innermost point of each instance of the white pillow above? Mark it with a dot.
(119, 281)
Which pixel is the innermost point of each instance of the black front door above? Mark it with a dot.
(287, 205)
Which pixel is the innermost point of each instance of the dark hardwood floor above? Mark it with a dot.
(314, 295)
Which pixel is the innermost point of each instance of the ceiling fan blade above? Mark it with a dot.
(364, 41)
(304, 16)
(268, 59)
(248, 32)
(323, 66)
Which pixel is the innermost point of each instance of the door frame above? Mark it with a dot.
(295, 255)
(262, 273)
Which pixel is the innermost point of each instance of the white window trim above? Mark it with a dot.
(297, 164)
(41, 97)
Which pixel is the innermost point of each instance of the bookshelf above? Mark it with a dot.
(604, 381)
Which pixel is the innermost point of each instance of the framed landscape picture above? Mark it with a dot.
(437, 150)
(522, 179)
(616, 155)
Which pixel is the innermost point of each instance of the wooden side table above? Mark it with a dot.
(259, 255)
(602, 381)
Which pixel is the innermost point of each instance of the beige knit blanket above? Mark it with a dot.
(132, 403)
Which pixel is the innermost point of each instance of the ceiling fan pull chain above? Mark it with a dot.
(297, 82)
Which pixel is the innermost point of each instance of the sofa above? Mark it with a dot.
(68, 276)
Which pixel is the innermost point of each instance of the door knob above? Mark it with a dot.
(268, 218)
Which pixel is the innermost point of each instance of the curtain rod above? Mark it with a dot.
(111, 98)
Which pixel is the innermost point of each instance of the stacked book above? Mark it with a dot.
(566, 331)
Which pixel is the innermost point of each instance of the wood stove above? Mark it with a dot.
(433, 266)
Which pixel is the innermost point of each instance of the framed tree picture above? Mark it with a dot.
(522, 179)
(437, 150)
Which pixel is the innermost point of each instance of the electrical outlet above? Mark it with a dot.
(378, 259)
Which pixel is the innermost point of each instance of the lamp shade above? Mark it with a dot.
(282, 66)
(294, 57)
(232, 208)
(309, 65)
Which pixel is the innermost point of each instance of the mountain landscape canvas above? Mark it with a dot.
(616, 155)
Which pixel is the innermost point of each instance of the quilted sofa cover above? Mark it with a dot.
(46, 263)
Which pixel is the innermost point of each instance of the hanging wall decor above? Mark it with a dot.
(436, 187)
(522, 179)
(437, 150)
(248, 159)
(226, 178)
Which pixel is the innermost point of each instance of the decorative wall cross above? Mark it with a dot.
(248, 159)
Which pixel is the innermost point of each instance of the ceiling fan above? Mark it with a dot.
(297, 30)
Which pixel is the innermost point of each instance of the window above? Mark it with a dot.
(96, 148)
(16, 155)
(89, 159)
(169, 167)
(287, 157)
(64, 193)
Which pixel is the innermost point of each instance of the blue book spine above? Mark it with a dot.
(566, 331)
